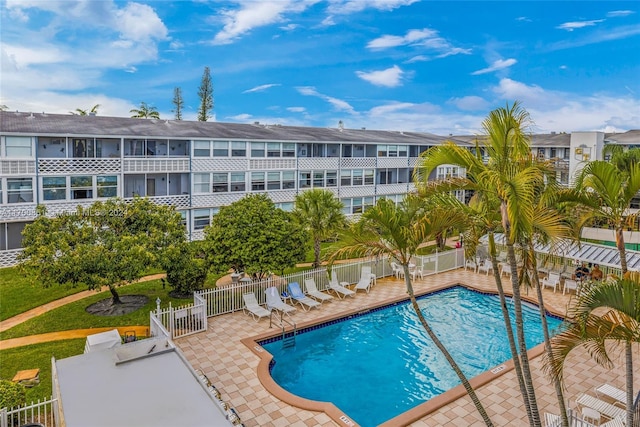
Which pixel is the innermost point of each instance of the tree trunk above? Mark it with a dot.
(621, 249)
(443, 349)
(115, 297)
(629, 379)
(547, 338)
(316, 253)
(507, 322)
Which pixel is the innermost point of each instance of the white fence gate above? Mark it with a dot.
(40, 412)
(184, 320)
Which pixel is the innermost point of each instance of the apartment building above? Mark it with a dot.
(62, 161)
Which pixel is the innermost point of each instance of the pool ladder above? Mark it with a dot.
(288, 338)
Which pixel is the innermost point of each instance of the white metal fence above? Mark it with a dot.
(176, 322)
(228, 299)
(40, 412)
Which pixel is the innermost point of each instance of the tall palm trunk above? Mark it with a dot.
(443, 349)
(621, 249)
(316, 252)
(628, 351)
(507, 323)
(547, 338)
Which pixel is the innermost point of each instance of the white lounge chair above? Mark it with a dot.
(553, 281)
(471, 264)
(365, 281)
(612, 392)
(552, 420)
(299, 297)
(569, 285)
(396, 270)
(605, 408)
(339, 289)
(313, 292)
(252, 307)
(486, 266)
(274, 302)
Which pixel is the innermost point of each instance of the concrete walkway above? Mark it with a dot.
(67, 335)
(27, 315)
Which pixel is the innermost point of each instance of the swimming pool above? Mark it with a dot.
(380, 364)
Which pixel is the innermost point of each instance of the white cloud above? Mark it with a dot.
(261, 88)
(241, 117)
(289, 27)
(529, 94)
(619, 13)
(328, 21)
(139, 23)
(296, 109)
(470, 103)
(523, 19)
(338, 104)
(255, 14)
(412, 37)
(499, 64)
(570, 26)
(391, 77)
(352, 6)
(417, 58)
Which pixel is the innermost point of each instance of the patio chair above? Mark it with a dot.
(252, 308)
(313, 292)
(505, 269)
(339, 289)
(553, 281)
(396, 270)
(274, 302)
(605, 408)
(298, 296)
(485, 266)
(569, 285)
(552, 420)
(365, 281)
(613, 393)
(471, 264)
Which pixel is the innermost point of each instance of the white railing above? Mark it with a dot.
(41, 412)
(176, 322)
(228, 299)
(9, 258)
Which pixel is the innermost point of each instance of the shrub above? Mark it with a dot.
(12, 394)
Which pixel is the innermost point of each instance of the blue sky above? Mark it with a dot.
(433, 66)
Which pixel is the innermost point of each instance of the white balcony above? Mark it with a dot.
(17, 167)
(138, 165)
(93, 166)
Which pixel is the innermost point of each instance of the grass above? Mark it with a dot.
(19, 295)
(73, 316)
(37, 356)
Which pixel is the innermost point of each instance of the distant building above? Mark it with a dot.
(62, 161)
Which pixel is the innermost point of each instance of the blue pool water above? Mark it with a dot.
(381, 364)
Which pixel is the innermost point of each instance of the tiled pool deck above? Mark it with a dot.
(232, 366)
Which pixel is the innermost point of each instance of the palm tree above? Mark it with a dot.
(620, 299)
(145, 112)
(508, 183)
(81, 112)
(397, 231)
(320, 212)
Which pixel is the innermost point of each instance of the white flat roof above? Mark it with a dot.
(156, 388)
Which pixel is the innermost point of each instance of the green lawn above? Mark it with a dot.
(37, 356)
(74, 316)
(19, 295)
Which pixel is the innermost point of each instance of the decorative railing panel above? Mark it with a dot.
(319, 163)
(17, 212)
(282, 196)
(156, 165)
(182, 321)
(272, 164)
(17, 167)
(358, 191)
(9, 258)
(217, 199)
(393, 162)
(73, 166)
(223, 164)
(179, 201)
(358, 162)
(391, 189)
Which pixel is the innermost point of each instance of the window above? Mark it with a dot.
(201, 182)
(346, 209)
(257, 149)
(107, 186)
(287, 207)
(220, 182)
(201, 218)
(19, 190)
(332, 178)
(238, 182)
(392, 151)
(18, 146)
(368, 203)
(333, 150)
(345, 177)
(273, 180)
(553, 154)
(288, 150)
(273, 149)
(305, 180)
(1, 194)
(257, 181)
(402, 151)
(356, 205)
(382, 151)
(81, 187)
(201, 149)
(220, 149)
(288, 180)
(82, 148)
(318, 178)
(238, 149)
(357, 177)
(54, 188)
(368, 177)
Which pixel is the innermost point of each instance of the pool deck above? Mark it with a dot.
(233, 366)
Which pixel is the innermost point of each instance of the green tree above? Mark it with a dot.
(508, 181)
(618, 321)
(396, 231)
(178, 103)
(205, 92)
(107, 244)
(145, 111)
(12, 394)
(254, 236)
(81, 112)
(186, 267)
(320, 212)
(3, 107)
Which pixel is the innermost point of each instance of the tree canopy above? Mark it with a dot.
(254, 236)
(178, 103)
(205, 92)
(145, 111)
(107, 244)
